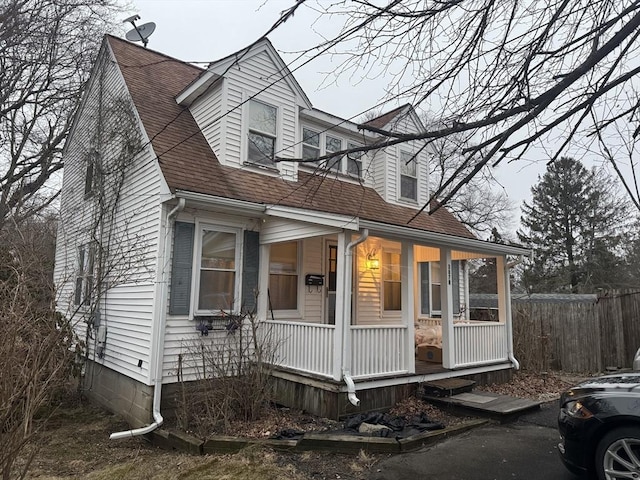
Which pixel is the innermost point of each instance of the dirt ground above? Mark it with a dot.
(75, 444)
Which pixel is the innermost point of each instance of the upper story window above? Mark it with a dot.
(333, 144)
(283, 276)
(90, 173)
(316, 144)
(354, 161)
(408, 176)
(263, 127)
(84, 276)
(219, 260)
(310, 144)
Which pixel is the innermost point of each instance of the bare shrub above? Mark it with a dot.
(36, 356)
(232, 369)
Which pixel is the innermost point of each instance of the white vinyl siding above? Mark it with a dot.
(127, 306)
(207, 112)
(313, 297)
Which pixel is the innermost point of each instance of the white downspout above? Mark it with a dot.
(159, 342)
(346, 319)
(507, 287)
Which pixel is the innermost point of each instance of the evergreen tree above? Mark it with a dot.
(574, 226)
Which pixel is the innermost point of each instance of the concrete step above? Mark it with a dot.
(446, 387)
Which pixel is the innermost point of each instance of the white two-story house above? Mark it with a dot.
(184, 203)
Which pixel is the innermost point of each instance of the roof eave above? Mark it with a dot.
(197, 88)
(447, 240)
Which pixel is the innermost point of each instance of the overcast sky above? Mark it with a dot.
(206, 30)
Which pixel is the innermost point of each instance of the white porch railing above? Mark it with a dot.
(479, 343)
(304, 346)
(378, 350)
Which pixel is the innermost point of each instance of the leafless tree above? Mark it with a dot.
(559, 74)
(47, 48)
(481, 204)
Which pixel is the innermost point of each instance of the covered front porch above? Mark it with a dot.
(373, 298)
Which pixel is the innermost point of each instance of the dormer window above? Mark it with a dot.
(333, 144)
(354, 161)
(318, 144)
(263, 121)
(408, 176)
(310, 144)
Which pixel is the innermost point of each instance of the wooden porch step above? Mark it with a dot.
(447, 387)
(492, 405)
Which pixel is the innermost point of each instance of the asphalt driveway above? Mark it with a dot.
(526, 449)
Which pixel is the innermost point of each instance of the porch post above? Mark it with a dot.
(263, 283)
(342, 284)
(502, 289)
(504, 305)
(408, 304)
(446, 297)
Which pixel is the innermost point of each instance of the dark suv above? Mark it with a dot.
(599, 422)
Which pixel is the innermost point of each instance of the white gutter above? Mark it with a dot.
(159, 343)
(346, 319)
(231, 204)
(459, 243)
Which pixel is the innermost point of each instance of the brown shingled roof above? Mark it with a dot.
(385, 118)
(188, 163)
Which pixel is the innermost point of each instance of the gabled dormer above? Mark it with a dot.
(401, 171)
(247, 105)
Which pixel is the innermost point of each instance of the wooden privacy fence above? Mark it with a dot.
(571, 334)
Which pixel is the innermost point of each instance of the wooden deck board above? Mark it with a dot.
(489, 404)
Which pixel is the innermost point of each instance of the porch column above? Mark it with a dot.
(408, 304)
(502, 289)
(263, 311)
(446, 297)
(341, 347)
(504, 305)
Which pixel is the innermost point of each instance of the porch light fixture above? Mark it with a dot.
(373, 263)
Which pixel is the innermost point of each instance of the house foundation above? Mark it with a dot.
(122, 395)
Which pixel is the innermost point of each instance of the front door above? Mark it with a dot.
(332, 268)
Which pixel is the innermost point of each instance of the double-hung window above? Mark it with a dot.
(283, 276)
(218, 270)
(319, 143)
(354, 161)
(333, 144)
(392, 281)
(84, 276)
(263, 126)
(408, 176)
(90, 172)
(310, 144)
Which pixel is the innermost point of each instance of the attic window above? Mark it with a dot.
(262, 133)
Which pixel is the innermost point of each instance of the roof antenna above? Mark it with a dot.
(139, 33)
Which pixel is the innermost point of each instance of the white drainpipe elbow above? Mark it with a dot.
(351, 389)
(514, 361)
(157, 387)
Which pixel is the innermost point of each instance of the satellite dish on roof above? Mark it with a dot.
(139, 33)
